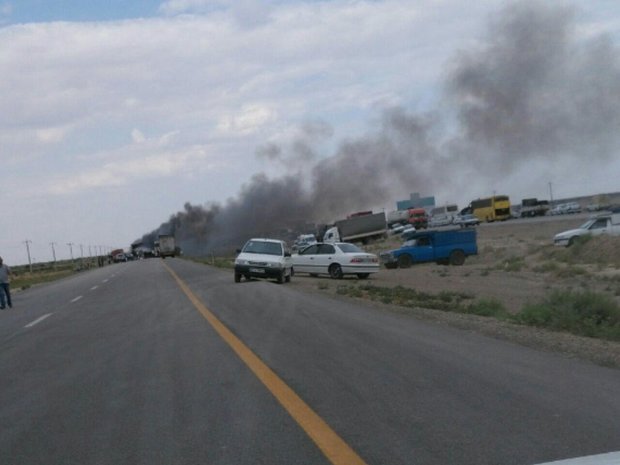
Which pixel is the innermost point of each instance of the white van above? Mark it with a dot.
(264, 258)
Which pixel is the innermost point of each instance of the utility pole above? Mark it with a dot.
(550, 193)
(28, 242)
(53, 252)
(82, 255)
(70, 244)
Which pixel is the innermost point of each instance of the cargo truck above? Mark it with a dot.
(358, 229)
(167, 247)
(533, 207)
(443, 247)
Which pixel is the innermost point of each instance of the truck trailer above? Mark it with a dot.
(358, 229)
(167, 246)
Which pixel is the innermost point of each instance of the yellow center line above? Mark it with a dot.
(333, 446)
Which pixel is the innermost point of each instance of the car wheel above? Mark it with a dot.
(457, 257)
(287, 278)
(281, 277)
(571, 241)
(237, 277)
(405, 261)
(363, 275)
(335, 271)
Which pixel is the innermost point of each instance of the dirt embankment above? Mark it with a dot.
(517, 264)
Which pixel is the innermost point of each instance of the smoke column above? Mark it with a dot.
(533, 89)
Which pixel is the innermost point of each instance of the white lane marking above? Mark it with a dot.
(76, 299)
(93, 288)
(105, 281)
(38, 320)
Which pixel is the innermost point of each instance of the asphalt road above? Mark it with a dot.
(118, 366)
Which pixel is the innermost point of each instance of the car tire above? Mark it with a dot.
(335, 271)
(237, 277)
(287, 278)
(457, 257)
(363, 275)
(281, 277)
(405, 261)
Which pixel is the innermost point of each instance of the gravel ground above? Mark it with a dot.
(516, 265)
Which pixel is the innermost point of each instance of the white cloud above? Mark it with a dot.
(174, 7)
(250, 119)
(137, 136)
(132, 164)
(52, 135)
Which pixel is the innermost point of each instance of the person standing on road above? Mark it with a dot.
(5, 279)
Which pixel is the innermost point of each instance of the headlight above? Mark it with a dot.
(241, 262)
(274, 265)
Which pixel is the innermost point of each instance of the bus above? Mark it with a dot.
(496, 208)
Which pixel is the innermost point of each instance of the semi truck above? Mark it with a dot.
(417, 217)
(166, 247)
(442, 247)
(533, 207)
(607, 223)
(362, 228)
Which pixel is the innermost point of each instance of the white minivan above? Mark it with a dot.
(264, 258)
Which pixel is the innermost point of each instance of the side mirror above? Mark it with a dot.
(287, 254)
(238, 250)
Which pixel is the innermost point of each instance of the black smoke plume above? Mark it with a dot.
(534, 89)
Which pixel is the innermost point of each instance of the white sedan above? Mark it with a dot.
(336, 260)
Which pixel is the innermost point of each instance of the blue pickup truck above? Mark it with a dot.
(443, 247)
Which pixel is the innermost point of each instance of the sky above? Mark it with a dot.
(116, 115)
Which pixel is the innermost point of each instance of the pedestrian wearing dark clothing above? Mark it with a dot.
(5, 279)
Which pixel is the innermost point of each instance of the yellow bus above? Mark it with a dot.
(494, 208)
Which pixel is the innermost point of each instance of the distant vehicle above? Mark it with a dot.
(397, 228)
(496, 208)
(533, 207)
(443, 212)
(119, 257)
(466, 220)
(439, 220)
(566, 208)
(418, 218)
(397, 217)
(264, 258)
(608, 224)
(166, 246)
(304, 240)
(336, 260)
(443, 247)
(408, 230)
(358, 229)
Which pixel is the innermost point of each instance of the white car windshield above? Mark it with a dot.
(263, 247)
